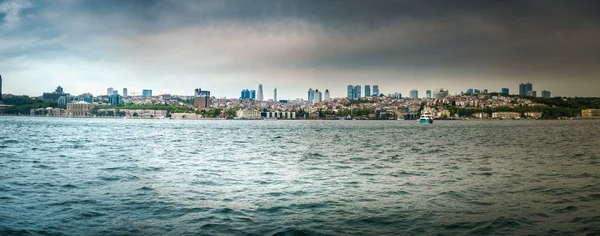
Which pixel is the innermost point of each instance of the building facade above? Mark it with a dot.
(80, 109)
(375, 90)
(147, 93)
(505, 91)
(525, 88)
(590, 114)
(532, 93)
(546, 94)
(506, 115)
(115, 100)
(414, 94)
(124, 92)
(428, 94)
(327, 96)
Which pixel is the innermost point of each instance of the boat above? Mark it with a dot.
(426, 118)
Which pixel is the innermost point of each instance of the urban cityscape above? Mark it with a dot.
(364, 102)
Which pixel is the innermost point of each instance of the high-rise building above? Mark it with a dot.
(505, 91)
(525, 88)
(259, 96)
(275, 94)
(244, 95)
(327, 96)
(350, 92)
(357, 93)
(0, 87)
(477, 91)
(253, 94)
(414, 94)
(124, 92)
(471, 91)
(397, 95)
(532, 93)
(115, 100)
(202, 99)
(317, 96)
(367, 90)
(86, 97)
(109, 91)
(115, 92)
(54, 96)
(428, 94)
(485, 91)
(311, 95)
(546, 94)
(64, 100)
(147, 93)
(375, 90)
(440, 93)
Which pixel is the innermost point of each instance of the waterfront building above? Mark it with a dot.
(535, 115)
(253, 94)
(54, 96)
(506, 115)
(440, 93)
(115, 100)
(80, 109)
(124, 92)
(275, 95)
(248, 114)
(367, 90)
(546, 94)
(375, 90)
(414, 94)
(147, 93)
(532, 94)
(327, 96)
(591, 114)
(505, 91)
(109, 91)
(480, 115)
(259, 96)
(525, 88)
(428, 94)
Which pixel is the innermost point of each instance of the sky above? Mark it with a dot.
(175, 46)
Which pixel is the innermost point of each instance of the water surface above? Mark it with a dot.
(166, 177)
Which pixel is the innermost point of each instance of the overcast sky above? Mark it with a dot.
(224, 46)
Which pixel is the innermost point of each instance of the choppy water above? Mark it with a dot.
(162, 177)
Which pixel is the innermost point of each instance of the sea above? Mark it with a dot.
(61, 176)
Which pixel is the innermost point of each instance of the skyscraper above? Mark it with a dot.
(375, 90)
(357, 92)
(546, 94)
(124, 92)
(428, 93)
(115, 100)
(259, 96)
(327, 96)
(367, 90)
(485, 91)
(470, 91)
(147, 93)
(316, 96)
(350, 92)
(414, 94)
(311, 95)
(245, 94)
(109, 91)
(525, 88)
(532, 94)
(252, 94)
(505, 91)
(275, 95)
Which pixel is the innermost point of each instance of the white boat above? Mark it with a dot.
(426, 118)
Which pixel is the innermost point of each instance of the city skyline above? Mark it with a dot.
(296, 45)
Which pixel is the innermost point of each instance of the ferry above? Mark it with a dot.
(426, 118)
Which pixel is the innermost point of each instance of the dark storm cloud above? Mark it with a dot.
(514, 40)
